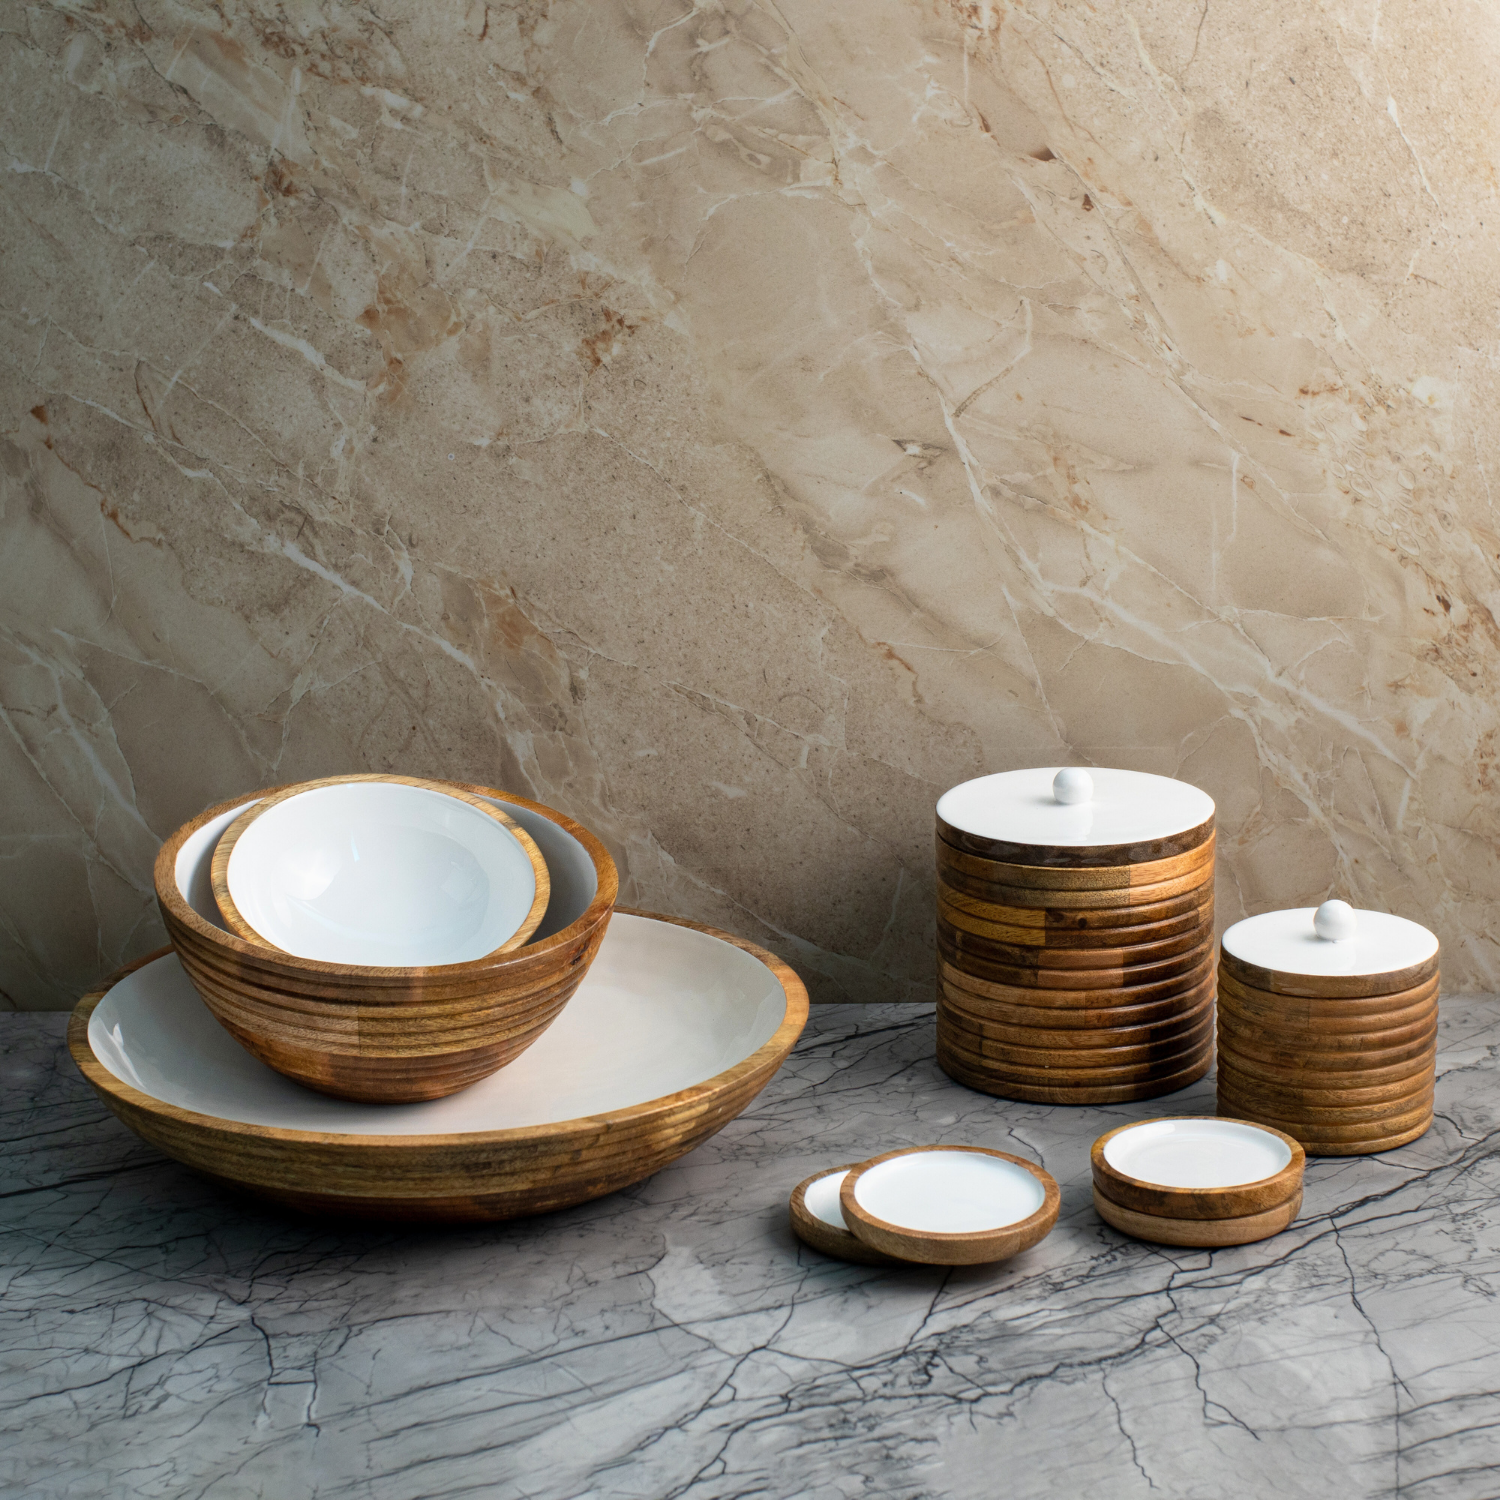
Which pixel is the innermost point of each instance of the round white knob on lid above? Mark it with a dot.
(1073, 784)
(1335, 921)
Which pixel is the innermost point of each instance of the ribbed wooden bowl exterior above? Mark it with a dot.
(480, 1175)
(1346, 1065)
(1065, 982)
(384, 1035)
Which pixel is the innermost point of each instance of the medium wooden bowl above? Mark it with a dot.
(389, 1035)
(817, 1229)
(915, 1239)
(669, 1038)
(1204, 1234)
(1250, 1195)
(230, 838)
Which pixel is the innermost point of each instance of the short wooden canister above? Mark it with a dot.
(1075, 935)
(1331, 1039)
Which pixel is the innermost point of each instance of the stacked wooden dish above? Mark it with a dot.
(927, 1205)
(1075, 935)
(1200, 1182)
(406, 984)
(1328, 1027)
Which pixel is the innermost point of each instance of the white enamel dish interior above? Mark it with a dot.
(821, 1198)
(662, 1008)
(1285, 941)
(570, 871)
(1127, 807)
(381, 873)
(1197, 1153)
(948, 1192)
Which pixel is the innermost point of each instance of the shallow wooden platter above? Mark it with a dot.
(1251, 1195)
(1207, 1234)
(673, 1032)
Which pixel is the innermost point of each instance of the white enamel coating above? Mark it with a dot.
(1072, 784)
(1287, 942)
(381, 873)
(949, 1192)
(822, 1198)
(570, 870)
(1336, 921)
(1197, 1153)
(662, 1008)
(1126, 807)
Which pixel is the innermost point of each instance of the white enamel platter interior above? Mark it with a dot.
(1197, 1153)
(947, 1192)
(821, 1198)
(662, 1008)
(381, 873)
(1285, 941)
(1127, 807)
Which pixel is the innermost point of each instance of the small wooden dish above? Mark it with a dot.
(1197, 1167)
(1202, 1234)
(949, 1205)
(250, 822)
(389, 1035)
(813, 1219)
(672, 1034)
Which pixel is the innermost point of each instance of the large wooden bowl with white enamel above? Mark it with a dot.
(382, 1034)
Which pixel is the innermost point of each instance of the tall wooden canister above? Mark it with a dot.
(1328, 1027)
(1075, 935)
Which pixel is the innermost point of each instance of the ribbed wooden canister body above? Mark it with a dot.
(1345, 1063)
(1076, 973)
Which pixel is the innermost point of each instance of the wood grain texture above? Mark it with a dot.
(1105, 977)
(1349, 1133)
(978, 899)
(1318, 1145)
(1327, 986)
(1070, 856)
(1098, 1028)
(1140, 1196)
(1306, 1010)
(985, 1081)
(978, 1248)
(1071, 900)
(1207, 1234)
(825, 1238)
(1298, 1077)
(385, 1035)
(1111, 996)
(1149, 950)
(1094, 878)
(1073, 1071)
(968, 914)
(224, 850)
(1284, 1097)
(1407, 1044)
(475, 1176)
(1019, 1059)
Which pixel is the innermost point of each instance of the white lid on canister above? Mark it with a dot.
(1035, 806)
(1288, 942)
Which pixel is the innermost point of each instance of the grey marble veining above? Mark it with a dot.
(161, 1338)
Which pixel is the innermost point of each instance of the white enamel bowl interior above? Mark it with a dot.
(574, 880)
(822, 1198)
(949, 1192)
(1197, 1153)
(381, 873)
(662, 1008)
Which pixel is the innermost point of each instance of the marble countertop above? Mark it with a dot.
(159, 1337)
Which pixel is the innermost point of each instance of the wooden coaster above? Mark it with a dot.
(949, 1205)
(1202, 1234)
(1197, 1167)
(812, 1222)
(983, 1081)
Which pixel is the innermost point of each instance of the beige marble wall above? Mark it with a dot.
(736, 423)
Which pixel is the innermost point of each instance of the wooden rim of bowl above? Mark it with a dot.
(825, 1238)
(224, 852)
(176, 909)
(977, 1247)
(585, 1128)
(1144, 1196)
(1075, 856)
(1198, 1234)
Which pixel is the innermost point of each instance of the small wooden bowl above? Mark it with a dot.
(229, 841)
(920, 1235)
(816, 1229)
(1250, 1195)
(389, 1035)
(1204, 1234)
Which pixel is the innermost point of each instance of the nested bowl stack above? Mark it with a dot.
(1330, 1039)
(380, 1034)
(1075, 930)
